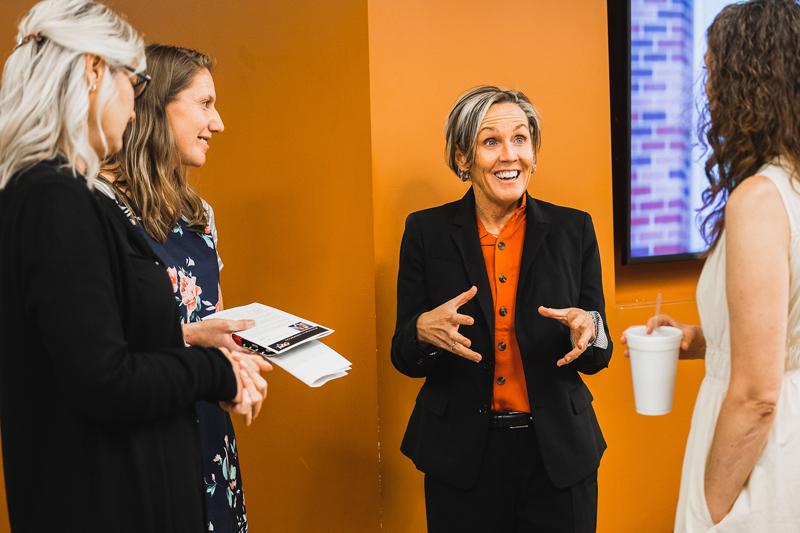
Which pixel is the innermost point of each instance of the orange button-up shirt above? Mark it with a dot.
(503, 255)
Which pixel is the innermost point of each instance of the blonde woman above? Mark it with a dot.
(96, 386)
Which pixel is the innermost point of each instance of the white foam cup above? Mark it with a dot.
(654, 362)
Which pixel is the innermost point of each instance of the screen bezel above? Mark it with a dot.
(619, 75)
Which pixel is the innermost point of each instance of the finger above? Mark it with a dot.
(250, 385)
(549, 312)
(463, 320)
(465, 296)
(576, 320)
(624, 338)
(240, 325)
(461, 339)
(261, 361)
(627, 353)
(259, 380)
(257, 409)
(571, 356)
(658, 320)
(245, 360)
(236, 373)
(230, 344)
(466, 353)
(586, 336)
(243, 406)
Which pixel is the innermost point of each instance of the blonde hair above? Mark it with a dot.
(44, 98)
(148, 169)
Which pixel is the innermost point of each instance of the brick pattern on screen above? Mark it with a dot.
(661, 97)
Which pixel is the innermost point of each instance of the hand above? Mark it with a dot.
(215, 332)
(439, 326)
(250, 386)
(691, 334)
(581, 329)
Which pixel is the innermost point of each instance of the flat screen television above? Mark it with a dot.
(656, 74)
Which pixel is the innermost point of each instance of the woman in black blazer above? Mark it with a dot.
(503, 426)
(96, 386)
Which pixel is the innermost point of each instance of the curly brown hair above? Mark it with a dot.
(753, 110)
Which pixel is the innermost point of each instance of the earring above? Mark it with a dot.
(463, 175)
(93, 88)
(533, 169)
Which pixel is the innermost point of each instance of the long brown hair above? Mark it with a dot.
(148, 169)
(753, 112)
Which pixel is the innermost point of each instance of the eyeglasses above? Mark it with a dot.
(139, 81)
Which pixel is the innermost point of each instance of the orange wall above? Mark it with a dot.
(422, 56)
(290, 182)
(334, 114)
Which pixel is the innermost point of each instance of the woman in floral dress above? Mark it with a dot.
(173, 127)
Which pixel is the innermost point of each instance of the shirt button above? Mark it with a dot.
(503, 311)
(501, 346)
(502, 278)
(501, 380)
(501, 245)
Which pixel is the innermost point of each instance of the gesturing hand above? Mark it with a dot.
(439, 326)
(581, 329)
(215, 332)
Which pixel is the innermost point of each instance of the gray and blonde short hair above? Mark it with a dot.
(464, 120)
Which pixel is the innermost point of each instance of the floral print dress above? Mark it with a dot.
(193, 266)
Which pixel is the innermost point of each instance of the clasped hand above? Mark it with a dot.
(251, 387)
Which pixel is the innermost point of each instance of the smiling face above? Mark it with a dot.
(193, 119)
(504, 157)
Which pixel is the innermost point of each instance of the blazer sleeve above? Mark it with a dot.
(594, 358)
(73, 304)
(409, 356)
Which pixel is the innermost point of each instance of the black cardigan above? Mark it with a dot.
(96, 387)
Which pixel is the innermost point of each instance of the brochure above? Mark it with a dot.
(289, 342)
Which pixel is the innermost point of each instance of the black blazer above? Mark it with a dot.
(440, 257)
(96, 388)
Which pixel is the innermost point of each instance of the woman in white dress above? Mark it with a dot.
(741, 470)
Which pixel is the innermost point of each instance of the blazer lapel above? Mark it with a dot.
(465, 236)
(536, 227)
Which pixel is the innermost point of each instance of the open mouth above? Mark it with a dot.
(203, 140)
(507, 175)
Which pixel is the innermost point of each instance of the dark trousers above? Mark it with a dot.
(513, 494)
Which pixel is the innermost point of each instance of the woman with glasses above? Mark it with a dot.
(97, 388)
(175, 121)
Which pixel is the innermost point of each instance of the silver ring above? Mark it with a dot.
(453, 346)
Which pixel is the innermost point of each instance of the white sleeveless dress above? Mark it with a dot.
(770, 501)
